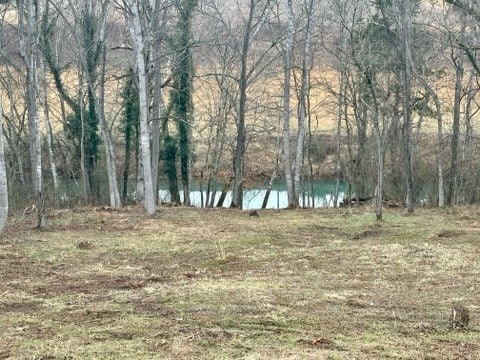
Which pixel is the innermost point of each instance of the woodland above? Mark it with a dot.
(102, 101)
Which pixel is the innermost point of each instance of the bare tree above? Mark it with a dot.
(302, 97)
(159, 22)
(468, 6)
(397, 20)
(3, 176)
(3, 170)
(110, 156)
(289, 178)
(238, 164)
(28, 46)
(181, 94)
(47, 125)
(139, 48)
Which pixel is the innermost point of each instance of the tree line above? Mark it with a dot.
(102, 100)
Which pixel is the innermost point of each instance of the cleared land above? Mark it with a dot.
(220, 284)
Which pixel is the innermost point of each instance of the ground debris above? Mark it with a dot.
(84, 245)
(450, 233)
(366, 234)
(320, 343)
(459, 317)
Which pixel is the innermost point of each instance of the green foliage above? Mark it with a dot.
(372, 44)
(131, 107)
(181, 95)
(73, 131)
(422, 105)
(170, 157)
(129, 124)
(90, 43)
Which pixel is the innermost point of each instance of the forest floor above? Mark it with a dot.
(221, 284)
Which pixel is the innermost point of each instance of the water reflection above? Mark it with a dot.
(323, 196)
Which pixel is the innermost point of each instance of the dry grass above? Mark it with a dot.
(220, 284)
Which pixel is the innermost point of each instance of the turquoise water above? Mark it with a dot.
(321, 196)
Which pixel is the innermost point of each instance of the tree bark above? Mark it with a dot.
(287, 67)
(238, 164)
(458, 61)
(136, 31)
(3, 178)
(158, 24)
(302, 103)
(407, 112)
(115, 200)
(48, 128)
(28, 51)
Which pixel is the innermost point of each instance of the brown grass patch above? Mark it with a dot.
(211, 283)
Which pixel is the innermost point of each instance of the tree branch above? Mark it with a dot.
(466, 6)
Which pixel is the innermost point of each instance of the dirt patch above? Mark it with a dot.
(18, 307)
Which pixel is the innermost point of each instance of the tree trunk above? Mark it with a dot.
(83, 158)
(289, 178)
(99, 101)
(170, 151)
(184, 102)
(48, 129)
(136, 31)
(223, 193)
(238, 164)
(302, 103)
(28, 52)
(3, 178)
(110, 155)
(379, 131)
(269, 189)
(130, 103)
(157, 105)
(468, 151)
(406, 89)
(458, 61)
(340, 115)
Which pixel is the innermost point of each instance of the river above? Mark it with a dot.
(321, 196)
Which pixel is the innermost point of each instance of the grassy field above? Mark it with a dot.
(220, 284)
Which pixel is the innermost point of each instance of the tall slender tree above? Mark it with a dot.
(133, 15)
(397, 19)
(182, 90)
(3, 176)
(286, 116)
(28, 33)
(239, 155)
(302, 96)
